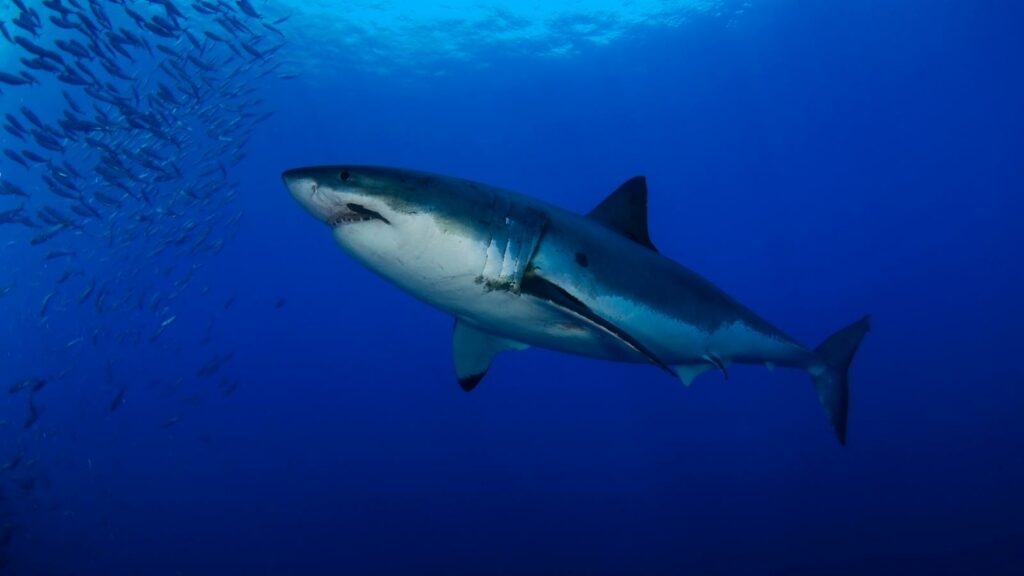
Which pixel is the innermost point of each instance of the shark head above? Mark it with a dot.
(445, 240)
(411, 227)
(342, 196)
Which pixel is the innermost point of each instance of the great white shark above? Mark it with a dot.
(516, 272)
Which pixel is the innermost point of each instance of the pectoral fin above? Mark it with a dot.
(538, 287)
(473, 351)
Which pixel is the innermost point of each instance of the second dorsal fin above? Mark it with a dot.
(625, 211)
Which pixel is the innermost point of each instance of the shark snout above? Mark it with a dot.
(329, 194)
(291, 177)
(303, 187)
(299, 182)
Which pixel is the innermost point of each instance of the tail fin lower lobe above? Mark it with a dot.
(829, 373)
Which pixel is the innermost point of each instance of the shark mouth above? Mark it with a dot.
(354, 213)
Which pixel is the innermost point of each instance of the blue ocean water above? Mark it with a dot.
(297, 414)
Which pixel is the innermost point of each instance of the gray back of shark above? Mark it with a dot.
(516, 272)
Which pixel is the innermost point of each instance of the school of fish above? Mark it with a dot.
(122, 123)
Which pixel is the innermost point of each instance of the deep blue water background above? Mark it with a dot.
(816, 160)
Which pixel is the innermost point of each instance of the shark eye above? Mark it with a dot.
(344, 175)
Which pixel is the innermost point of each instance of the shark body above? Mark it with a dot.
(515, 272)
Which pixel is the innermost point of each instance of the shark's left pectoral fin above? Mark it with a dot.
(473, 351)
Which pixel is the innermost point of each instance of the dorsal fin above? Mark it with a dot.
(625, 211)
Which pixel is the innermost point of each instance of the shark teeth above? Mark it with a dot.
(347, 218)
(355, 213)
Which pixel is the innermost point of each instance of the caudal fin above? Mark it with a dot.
(829, 373)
